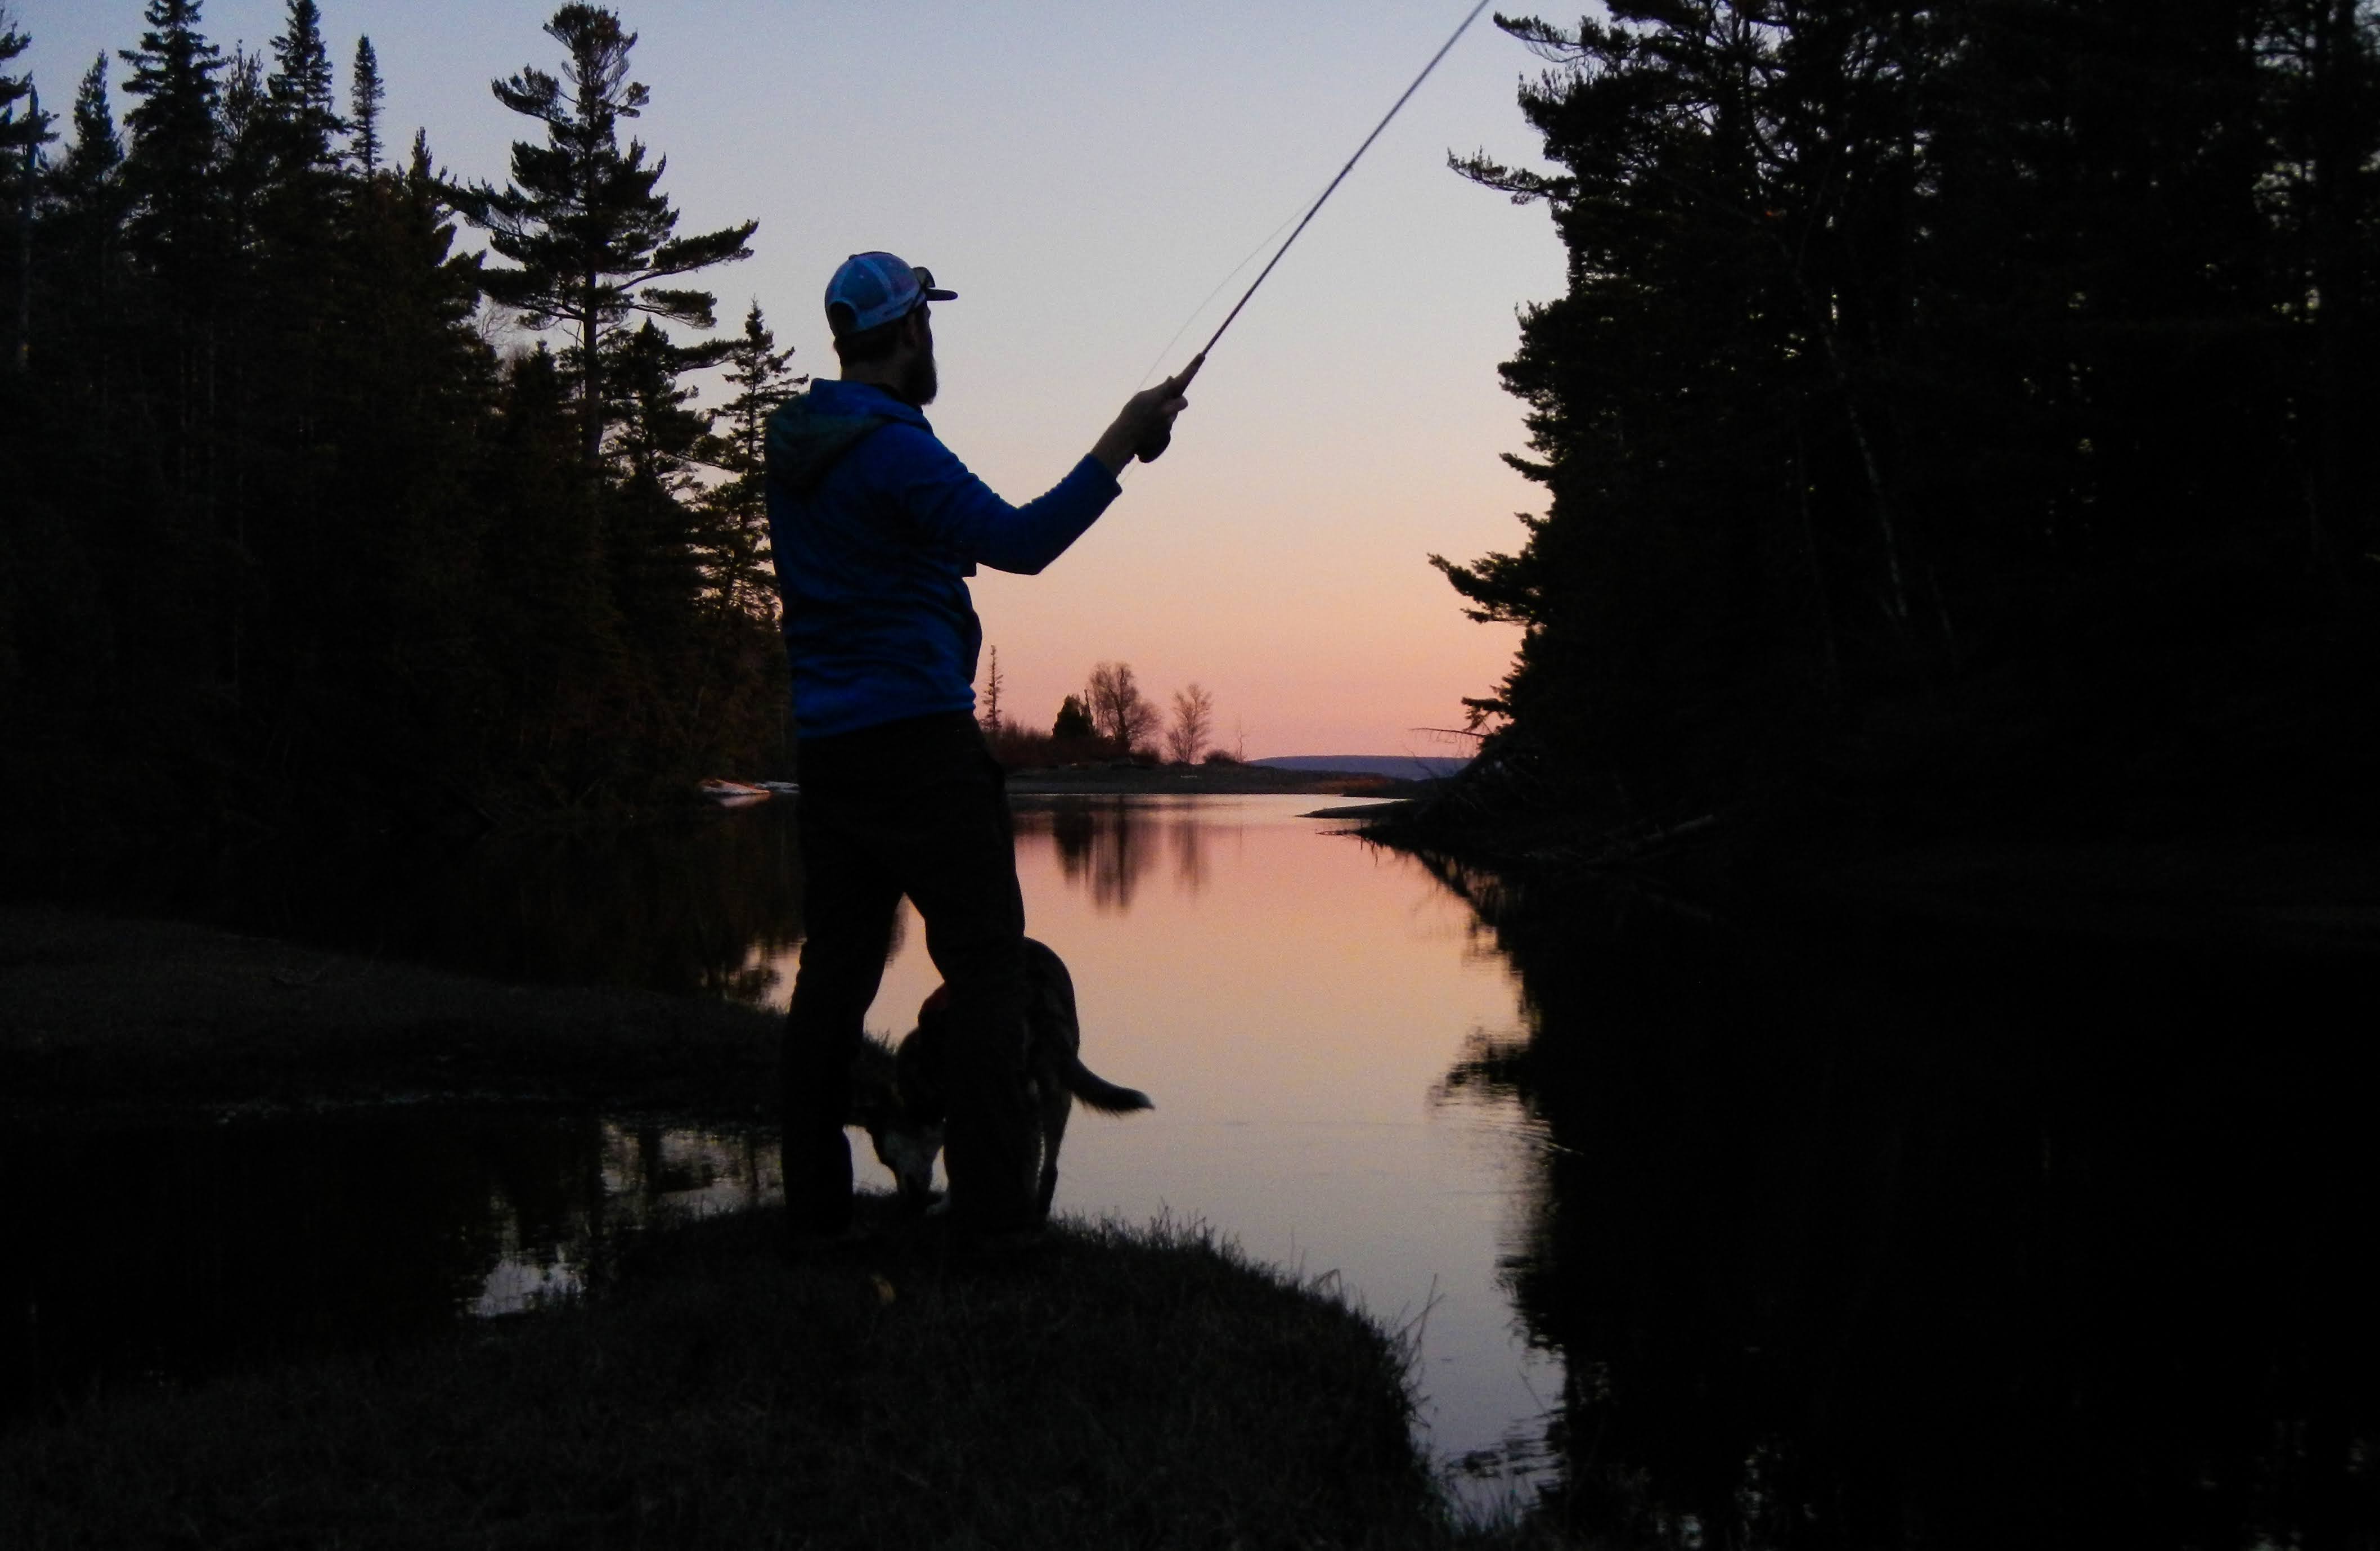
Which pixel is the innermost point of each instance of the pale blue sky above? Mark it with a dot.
(1083, 176)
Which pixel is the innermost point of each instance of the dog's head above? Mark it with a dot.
(918, 1065)
(907, 1136)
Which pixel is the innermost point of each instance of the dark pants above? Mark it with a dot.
(916, 807)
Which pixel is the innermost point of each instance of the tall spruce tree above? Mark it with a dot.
(249, 165)
(583, 220)
(172, 167)
(176, 242)
(96, 157)
(14, 88)
(83, 269)
(86, 204)
(302, 92)
(365, 95)
(24, 129)
(736, 534)
(22, 124)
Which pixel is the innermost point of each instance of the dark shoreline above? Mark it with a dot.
(121, 1018)
(2311, 893)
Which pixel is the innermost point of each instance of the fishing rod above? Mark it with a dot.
(1148, 453)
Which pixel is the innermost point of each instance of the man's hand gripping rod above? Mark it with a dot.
(1147, 451)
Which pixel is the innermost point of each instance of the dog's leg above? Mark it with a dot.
(1056, 1104)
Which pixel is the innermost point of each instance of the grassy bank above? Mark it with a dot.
(1141, 1389)
(104, 1015)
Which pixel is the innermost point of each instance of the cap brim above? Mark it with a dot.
(941, 296)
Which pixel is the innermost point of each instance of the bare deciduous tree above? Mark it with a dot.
(1119, 710)
(1193, 718)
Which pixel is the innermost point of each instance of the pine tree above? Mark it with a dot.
(24, 135)
(82, 277)
(365, 95)
(300, 89)
(659, 430)
(25, 128)
(582, 218)
(21, 130)
(416, 606)
(87, 201)
(97, 155)
(735, 536)
(650, 542)
(13, 41)
(174, 242)
(290, 306)
(171, 171)
(249, 153)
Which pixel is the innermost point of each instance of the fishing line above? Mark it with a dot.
(1196, 312)
(1201, 359)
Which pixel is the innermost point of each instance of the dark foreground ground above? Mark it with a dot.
(1125, 1387)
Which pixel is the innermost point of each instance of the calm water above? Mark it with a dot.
(1295, 1000)
(1292, 998)
(1828, 1230)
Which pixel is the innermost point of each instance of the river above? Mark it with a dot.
(1294, 999)
(1774, 1228)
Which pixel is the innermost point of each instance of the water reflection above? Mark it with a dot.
(1108, 845)
(1290, 998)
(179, 1250)
(1189, 844)
(1827, 1233)
(1872, 1235)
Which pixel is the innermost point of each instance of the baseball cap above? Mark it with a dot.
(879, 287)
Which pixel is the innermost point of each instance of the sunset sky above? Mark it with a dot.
(1084, 175)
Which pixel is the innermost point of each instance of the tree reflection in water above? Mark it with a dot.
(1188, 835)
(1108, 845)
(1898, 1236)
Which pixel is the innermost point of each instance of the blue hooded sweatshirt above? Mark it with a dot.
(876, 527)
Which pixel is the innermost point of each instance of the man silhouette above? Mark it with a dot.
(876, 527)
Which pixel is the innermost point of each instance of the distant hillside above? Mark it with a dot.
(1404, 767)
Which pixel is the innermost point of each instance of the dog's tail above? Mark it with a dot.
(1100, 1094)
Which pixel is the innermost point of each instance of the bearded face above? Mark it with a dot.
(920, 382)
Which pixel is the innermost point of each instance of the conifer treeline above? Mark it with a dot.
(284, 530)
(1978, 398)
